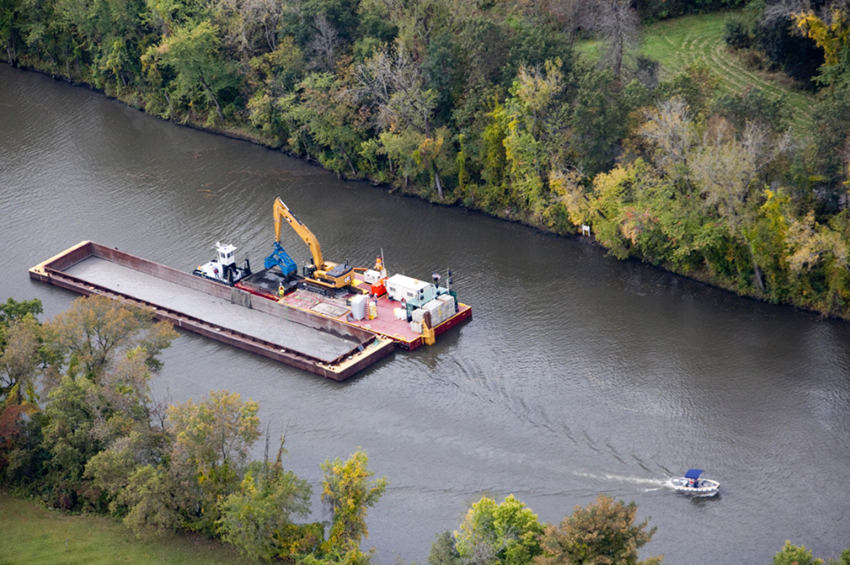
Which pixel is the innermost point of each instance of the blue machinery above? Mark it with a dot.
(281, 258)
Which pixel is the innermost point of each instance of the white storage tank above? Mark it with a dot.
(358, 306)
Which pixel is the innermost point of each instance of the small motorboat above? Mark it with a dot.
(693, 485)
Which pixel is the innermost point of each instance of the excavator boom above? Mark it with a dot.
(281, 211)
(325, 273)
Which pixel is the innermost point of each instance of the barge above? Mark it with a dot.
(266, 284)
(279, 331)
(333, 319)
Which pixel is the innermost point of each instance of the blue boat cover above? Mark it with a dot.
(693, 473)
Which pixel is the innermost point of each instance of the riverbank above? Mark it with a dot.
(702, 275)
(31, 535)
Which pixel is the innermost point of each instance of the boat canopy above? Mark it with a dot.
(693, 473)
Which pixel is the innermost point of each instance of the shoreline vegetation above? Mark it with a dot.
(82, 435)
(492, 106)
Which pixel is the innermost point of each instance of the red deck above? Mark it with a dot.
(385, 324)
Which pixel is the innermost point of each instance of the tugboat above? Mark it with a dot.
(693, 485)
(224, 270)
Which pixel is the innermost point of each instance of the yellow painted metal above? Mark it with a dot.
(428, 336)
(321, 276)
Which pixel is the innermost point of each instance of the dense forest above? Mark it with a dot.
(489, 105)
(80, 430)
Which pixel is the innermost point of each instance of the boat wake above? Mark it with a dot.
(659, 483)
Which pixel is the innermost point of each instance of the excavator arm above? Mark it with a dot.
(281, 211)
(325, 273)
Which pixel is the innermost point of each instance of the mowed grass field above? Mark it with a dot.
(31, 534)
(677, 43)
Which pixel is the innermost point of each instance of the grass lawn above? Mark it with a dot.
(30, 533)
(679, 42)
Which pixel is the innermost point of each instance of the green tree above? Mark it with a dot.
(604, 533)
(505, 533)
(320, 114)
(349, 492)
(795, 555)
(68, 439)
(258, 518)
(160, 498)
(599, 120)
(533, 119)
(393, 85)
(444, 551)
(13, 310)
(200, 73)
(211, 443)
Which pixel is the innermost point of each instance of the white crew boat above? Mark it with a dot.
(693, 485)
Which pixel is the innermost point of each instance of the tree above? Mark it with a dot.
(258, 24)
(617, 23)
(95, 328)
(829, 154)
(394, 85)
(671, 132)
(831, 32)
(572, 15)
(69, 439)
(13, 310)
(721, 169)
(599, 120)
(535, 141)
(349, 492)
(214, 435)
(822, 250)
(193, 52)
(20, 343)
(157, 497)
(324, 45)
(604, 533)
(258, 518)
(319, 113)
(505, 533)
(726, 168)
(795, 555)
(444, 551)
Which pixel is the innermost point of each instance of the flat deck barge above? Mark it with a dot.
(266, 284)
(320, 344)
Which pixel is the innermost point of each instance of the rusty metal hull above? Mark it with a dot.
(337, 363)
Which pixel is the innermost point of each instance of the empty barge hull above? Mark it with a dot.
(288, 335)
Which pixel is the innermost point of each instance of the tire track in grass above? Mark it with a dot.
(678, 43)
(681, 42)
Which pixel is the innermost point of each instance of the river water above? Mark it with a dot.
(579, 374)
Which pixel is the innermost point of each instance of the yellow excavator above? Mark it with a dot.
(321, 272)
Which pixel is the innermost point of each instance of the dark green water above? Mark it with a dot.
(579, 374)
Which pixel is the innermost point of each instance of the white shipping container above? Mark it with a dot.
(401, 287)
(418, 315)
